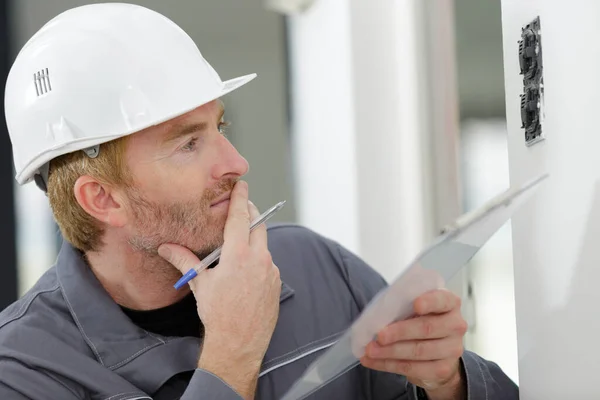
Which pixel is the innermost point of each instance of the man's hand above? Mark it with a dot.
(238, 301)
(427, 348)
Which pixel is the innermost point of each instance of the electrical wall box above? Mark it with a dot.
(530, 113)
(531, 66)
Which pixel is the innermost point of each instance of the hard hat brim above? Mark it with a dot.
(27, 173)
(232, 84)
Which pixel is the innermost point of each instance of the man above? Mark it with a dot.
(113, 111)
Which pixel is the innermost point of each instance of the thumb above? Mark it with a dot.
(180, 257)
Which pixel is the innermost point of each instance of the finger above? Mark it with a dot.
(434, 371)
(418, 350)
(237, 226)
(425, 327)
(436, 302)
(258, 237)
(180, 257)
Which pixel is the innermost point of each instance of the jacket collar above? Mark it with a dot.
(114, 339)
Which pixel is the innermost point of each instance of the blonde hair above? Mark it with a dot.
(78, 227)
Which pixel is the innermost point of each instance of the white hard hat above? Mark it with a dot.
(99, 72)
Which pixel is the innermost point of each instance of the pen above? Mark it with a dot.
(214, 256)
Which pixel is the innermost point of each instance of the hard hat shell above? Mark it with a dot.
(99, 72)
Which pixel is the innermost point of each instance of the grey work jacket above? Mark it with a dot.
(67, 339)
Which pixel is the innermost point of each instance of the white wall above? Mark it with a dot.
(364, 158)
(392, 195)
(555, 237)
(492, 332)
(323, 126)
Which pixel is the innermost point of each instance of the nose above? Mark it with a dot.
(230, 162)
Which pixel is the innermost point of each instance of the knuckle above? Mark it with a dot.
(276, 272)
(177, 260)
(427, 328)
(404, 367)
(418, 349)
(265, 258)
(277, 282)
(461, 327)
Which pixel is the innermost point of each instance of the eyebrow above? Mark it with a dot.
(181, 130)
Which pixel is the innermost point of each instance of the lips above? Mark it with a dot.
(221, 199)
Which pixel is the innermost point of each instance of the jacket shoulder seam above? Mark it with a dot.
(26, 304)
(346, 276)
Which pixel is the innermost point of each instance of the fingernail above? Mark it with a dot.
(164, 252)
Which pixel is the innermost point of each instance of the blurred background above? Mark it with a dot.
(379, 122)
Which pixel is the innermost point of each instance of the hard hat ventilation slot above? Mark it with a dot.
(41, 80)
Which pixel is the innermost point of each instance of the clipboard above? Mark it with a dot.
(430, 270)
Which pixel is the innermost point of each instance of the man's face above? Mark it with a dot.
(183, 172)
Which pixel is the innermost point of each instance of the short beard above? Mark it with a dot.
(188, 224)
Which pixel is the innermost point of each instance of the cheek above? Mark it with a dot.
(194, 172)
(182, 184)
(179, 178)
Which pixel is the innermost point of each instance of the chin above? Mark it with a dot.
(212, 238)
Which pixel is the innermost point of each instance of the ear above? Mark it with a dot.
(100, 201)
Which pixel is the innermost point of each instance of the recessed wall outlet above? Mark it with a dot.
(532, 69)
